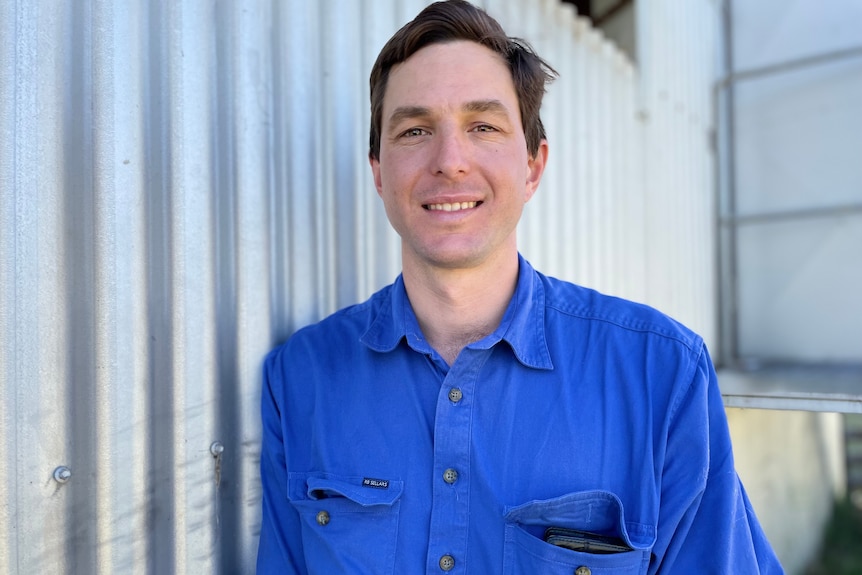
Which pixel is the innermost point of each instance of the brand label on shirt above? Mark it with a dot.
(376, 483)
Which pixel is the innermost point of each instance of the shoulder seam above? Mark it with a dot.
(691, 343)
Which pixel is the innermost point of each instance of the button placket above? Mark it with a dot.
(450, 516)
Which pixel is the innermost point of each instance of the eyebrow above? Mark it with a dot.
(494, 106)
(410, 112)
(407, 113)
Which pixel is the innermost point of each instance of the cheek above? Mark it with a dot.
(397, 178)
(387, 168)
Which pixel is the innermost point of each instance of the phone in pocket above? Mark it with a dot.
(585, 541)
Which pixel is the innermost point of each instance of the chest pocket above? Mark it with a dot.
(349, 524)
(594, 511)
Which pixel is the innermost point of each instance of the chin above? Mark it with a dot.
(455, 259)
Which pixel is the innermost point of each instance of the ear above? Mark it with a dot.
(535, 169)
(375, 169)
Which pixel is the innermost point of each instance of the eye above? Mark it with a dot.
(484, 128)
(413, 132)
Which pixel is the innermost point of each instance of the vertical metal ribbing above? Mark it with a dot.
(564, 141)
(120, 310)
(579, 70)
(104, 250)
(158, 115)
(306, 209)
(546, 30)
(201, 393)
(253, 332)
(731, 296)
(8, 231)
(37, 274)
(379, 244)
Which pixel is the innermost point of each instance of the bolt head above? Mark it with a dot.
(62, 474)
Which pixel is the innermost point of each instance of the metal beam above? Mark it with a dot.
(805, 213)
(789, 65)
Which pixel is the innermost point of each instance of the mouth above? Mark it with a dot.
(453, 207)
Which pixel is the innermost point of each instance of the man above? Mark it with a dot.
(476, 416)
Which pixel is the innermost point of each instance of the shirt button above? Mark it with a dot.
(322, 518)
(455, 395)
(582, 570)
(450, 476)
(447, 563)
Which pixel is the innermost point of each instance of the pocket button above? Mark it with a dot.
(322, 518)
(583, 570)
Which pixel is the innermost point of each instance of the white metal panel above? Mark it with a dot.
(769, 32)
(798, 138)
(183, 184)
(35, 416)
(676, 63)
(122, 433)
(799, 291)
(797, 181)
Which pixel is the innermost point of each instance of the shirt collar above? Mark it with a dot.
(522, 326)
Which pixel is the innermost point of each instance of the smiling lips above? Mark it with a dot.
(451, 207)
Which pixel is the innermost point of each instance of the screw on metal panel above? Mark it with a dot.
(62, 474)
(217, 448)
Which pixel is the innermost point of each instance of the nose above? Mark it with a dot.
(452, 153)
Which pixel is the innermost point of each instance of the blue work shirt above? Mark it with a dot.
(581, 411)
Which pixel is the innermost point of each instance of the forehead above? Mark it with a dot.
(448, 75)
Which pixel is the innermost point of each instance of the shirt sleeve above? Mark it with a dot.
(280, 547)
(706, 522)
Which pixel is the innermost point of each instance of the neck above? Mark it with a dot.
(456, 307)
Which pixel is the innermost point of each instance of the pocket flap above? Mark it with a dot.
(360, 490)
(595, 511)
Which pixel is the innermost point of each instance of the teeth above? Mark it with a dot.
(452, 207)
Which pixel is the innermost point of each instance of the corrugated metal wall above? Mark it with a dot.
(183, 184)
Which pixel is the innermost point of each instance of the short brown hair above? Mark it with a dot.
(459, 20)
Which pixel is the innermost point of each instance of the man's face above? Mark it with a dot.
(453, 169)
